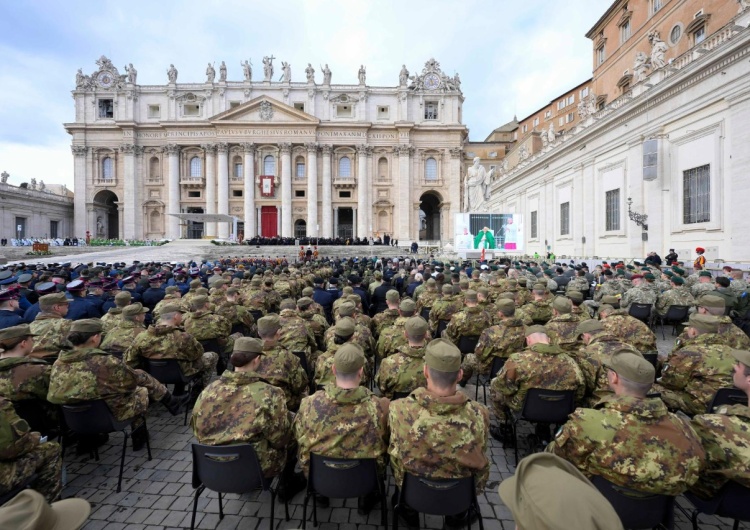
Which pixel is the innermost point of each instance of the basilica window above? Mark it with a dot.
(430, 110)
(696, 195)
(269, 165)
(565, 219)
(154, 111)
(612, 209)
(195, 167)
(600, 55)
(345, 167)
(106, 108)
(153, 169)
(108, 168)
(383, 168)
(699, 35)
(625, 31)
(237, 165)
(534, 224)
(430, 169)
(299, 167)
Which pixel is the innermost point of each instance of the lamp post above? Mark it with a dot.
(641, 219)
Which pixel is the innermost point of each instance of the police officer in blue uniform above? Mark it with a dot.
(9, 312)
(79, 308)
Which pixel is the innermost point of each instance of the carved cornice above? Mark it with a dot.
(285, 148)
(311, 147)
(172, 149)
(222, 147)
(456, 152)
(248, 148)
(79, 150)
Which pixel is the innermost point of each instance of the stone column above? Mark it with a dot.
(249, 193)
(286, 190)
(326, 203)
(138, 192)
(210, 151)
(362, 188)
(79, 180)
(257, 211)
(402, 230)
(335, 222)
(454, 188)
(312, 189)
(128, 186)
(173, 223)
(355, 223)
(368, 203)
(223, 188)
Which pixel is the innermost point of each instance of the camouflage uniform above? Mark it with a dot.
(296, 335)
(579, 284)
(111, 319)
(167, 342)
(204, 325)
(239, 317)
(501, 340)
(324, 368)
(443, 309)
(633, 443)
(535, 312)
(540, 366)
(469, 322)
(590, 359)
(561, 331)
(439, 437)
(699, 289)
(384, 320)
(119, 338)
(630, 330)
(85, 374)
(726, 438)
(637, 295)
(426, 299)
(732, 336)
(738, 287)
(692, 375)
(51, 332)
(402, 372)
(242, 408)
(342, 423)
(317, 324)
(674, 296)
(362, 337)
(170, 299)
(24, 378)
(282, 369)
(581, 312)
(21, 456)
(608, 288)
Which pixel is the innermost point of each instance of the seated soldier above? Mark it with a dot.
(403, 371)
(392, 337)
(295, 334)
(362, 335)
(561, 328)
(710, 304)
(643, 447)
(124, 331)
(628, 329)
(50, 327)
(211, 330)
(345, 420)
(242, 408)
(344, 331)
(114, 314)
(471, 321)
(538, 310)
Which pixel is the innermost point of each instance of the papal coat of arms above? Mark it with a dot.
(266, 110)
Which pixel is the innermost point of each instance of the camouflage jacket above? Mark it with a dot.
(675, 296)
(283, 369)
(84, 374)
(296, 335)
(439, 437)
(183, 302)
(590, 359)
(699, 289)
(732, 336)
(469, 322)
(16, 437)
(392, 338)
(51, 332)
(324, 368)
(698, 369)
(166, 342)
(630, 330)
(578, 284)
(284, 288)
(272, 299)
(581, 312)
(443, 309)
(204, 325)
(120, 337)
(383, 320)
(238, 315)
(240, 407)
(540, 366)
(637, 295)
(608, 288)
(402, 372)
(633, 443)
(535, 312)
(501, 340)
(24, 378)
(426, 299)
(561, 331)
(317, 324)
(111, 319)
(726, 438)
(342, 423)
(738, 286)
(362, 337)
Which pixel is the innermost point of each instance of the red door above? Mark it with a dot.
(269, 221)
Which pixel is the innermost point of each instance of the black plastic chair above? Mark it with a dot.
(425, 313)
(637, 509)
(257, 314)
(442, 324)
(642, 312)
(5, 497)
(497, 365)
(36, 413)
(467, 344)
(732, 502)
(438, 497)
(726, 396)
(229, 469)
(676, 315)
(544, 406)
(94, 417)
(342, 478)
(168, 372)
(400, 395)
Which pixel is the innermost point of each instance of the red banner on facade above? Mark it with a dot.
(266, 186)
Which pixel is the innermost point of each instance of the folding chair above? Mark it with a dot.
(168, 372)
(726, 396)
(425, 313)
(676, 315)
(544, 406)
(637, 509)
(497, 365)
(230, 469)
(642, 312)
(442, 324)
(732, 502)
(36, 412)
(467, 344)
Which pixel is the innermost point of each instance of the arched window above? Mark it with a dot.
(153, 168)
(299, 167)
(269, 165)
(383, 168)
(430, 169)
(237, 164)
(345, 167)
(108, 168)
(195, 167)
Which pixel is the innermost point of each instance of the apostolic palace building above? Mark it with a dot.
(283, 157)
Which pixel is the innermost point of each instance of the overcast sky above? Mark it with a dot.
(513, 57)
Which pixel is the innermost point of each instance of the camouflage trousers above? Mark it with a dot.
(470, 366)
(675, 400)
(208, 367)
(156, 390)
(45, 461)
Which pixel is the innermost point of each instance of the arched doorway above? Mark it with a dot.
(300, 229)
(106, 222)
(429, 216)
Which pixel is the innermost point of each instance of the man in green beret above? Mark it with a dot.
(663, 454)
(561, 328)
(50, 327)
(345, 419)
(438, 432)
(704, 285)
(211, 330)
(629, 329)
(123, 334)
(471, 321)
(444, 307)
(702, 365)
(725, 434)
(402, 372)
(676, 295)
(711, 304)
(638, 294)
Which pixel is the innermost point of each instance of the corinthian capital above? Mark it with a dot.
(456, 152)
(285, 148)
(326, 149)
(222, 147)
(404, 150)
(362, 150)
(172, 149)
(126, 149)
(248, 148)
(79, 150)
(311, 147)
(209, 149)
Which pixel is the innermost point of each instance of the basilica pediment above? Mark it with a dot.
(264, 109)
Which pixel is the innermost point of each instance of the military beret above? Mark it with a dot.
(630, 267)
(539, 286)
(45, 287)
(607, 272)
(710, 300)
(703, 323)
(344, 327)
(170, 308)
(548, 272)
(704, 274)
(530, 330)
(447, 288)
(549, 492)
(700, 250)
(679, 270)
(575, 296)
(269, 324)
(631, 366)
(416, 326)
(248, 345)
(346, 309)
(636, 277)
(742, 356)
(407, 304)
(392, 296)
(22, 330)
(470, 296)
(678, 281)
(348, 358)
(48, 300)
(24, 278)
(87, 325)
(649, 276)
(307, 291)
(172, 289)
(562, 304)
(589, 326)
(76, 286)
(611, 300)
(442, 355)
(620, 272)
(134, 309)
(668, 273)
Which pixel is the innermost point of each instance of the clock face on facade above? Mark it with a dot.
(431, 81)
(105, 79)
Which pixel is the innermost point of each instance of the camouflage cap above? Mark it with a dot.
(198, 301)
(540, 286)
(194, 284)
(219, 283)
(255, 282)
(505, 305)
(470, 296)
(549, 492)
(248, 345)
(392, 296)
(287, 303)
(463, 282)
(232, 291)
(355, 299)
(589, 326)
(575, 296)
(201, 291)
(447, 288)
(416, 326)
(710, 300)
(562, 304)
(442, 355)
(407, 304)
(431, 282)
(606, 308)
(134, 309)
(87, 325)
(523, 282)
(48, 300)
(124, 296)
(703, 323)
(530, 330)
(170, 308)
(742, 356)
(269, 324)
(611, 300)
(22, 330)
(347, 290)
(631, 366)
(305, 301)
(346, 309)
(172, 289)
(344, 327)
(348, 358)
(308, 291)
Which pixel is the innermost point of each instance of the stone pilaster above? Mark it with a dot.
(128, 199)
(454, 187)
(326, 203)
(286, 190)
(312, 189)
(362, 189)
(402, 229)
(248, 167)
(173, 162)
(138, 193)
(223, 188)
(79, 179)
(210, 194)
